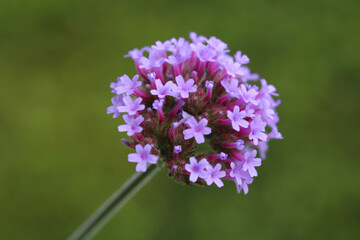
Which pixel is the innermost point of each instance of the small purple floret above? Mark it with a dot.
(127, 85)
(162, 90)
(214, 174)
(131, 106)
(196, 169)
(117, 101)
(132, 125)
(184, 88)
(251, 162)
(237, 118)
(257, 127)
(142, 157)
(197, 130)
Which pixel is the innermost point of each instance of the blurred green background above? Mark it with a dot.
(61, 156)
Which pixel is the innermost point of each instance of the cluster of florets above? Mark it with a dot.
(196, 110)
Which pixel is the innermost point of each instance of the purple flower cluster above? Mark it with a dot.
(191, 96)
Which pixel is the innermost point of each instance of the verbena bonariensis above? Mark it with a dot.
(196, 111)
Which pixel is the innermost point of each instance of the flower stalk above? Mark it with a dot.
(103, 214)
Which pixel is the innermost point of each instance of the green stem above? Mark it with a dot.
(99, 218)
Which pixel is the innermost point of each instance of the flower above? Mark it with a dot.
(131, 106)
(158, 104)
(231, 86)
(127, 85)
(197, 130)
(142, 157)
(241, 59)
(162, 90)
(250, 162)
(242, 178)
(257, 130)
(214, 174)
(117, 101)
(132, 125)
(197, 110)
(249, 95)
(184, 88)
(204, 53)
(239, 144)
(237, 118)
(197, 169)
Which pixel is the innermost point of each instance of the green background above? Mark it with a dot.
(61, 156)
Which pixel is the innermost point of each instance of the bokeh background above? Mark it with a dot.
(61, 156)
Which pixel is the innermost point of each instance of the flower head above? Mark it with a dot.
(198, 110)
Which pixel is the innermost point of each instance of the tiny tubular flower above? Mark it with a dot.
(250, 162)
(142, 157)
(117, 101)
(241, 58)
(184, 88)
(127, 85)
(231, 86)
(132, 125)
(197, 130)
(196, 169)
(214, 174)
(131, 106)
(257, 130)
(237, 118)
(162, 90)
(249, 95)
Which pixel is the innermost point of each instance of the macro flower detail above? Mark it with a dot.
(131, 106)
(142, 157)
(257, 130)
(162, 90)
(117, 101)
(197, 169)
(250, 162)
(197, 111)
(184, 88)
(132, 125)
(127, 85)
(237, 118)
(214, 174)
(231, 86)
(197, 130)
